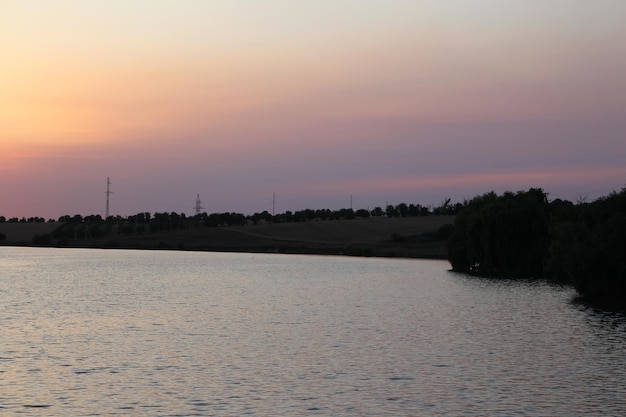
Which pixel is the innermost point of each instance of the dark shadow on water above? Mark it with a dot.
(502, 280)
(604, 307)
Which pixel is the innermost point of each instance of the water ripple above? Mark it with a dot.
(107, 333)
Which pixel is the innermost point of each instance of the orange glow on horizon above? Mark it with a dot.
(319, 97)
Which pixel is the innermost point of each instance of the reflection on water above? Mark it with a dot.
(91, 332)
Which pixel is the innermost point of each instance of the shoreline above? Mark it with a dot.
(437, 257)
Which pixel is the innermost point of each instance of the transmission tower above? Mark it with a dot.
(199, 207)
(108, 193)
(273, 203)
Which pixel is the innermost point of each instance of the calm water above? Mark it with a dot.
(98, 333)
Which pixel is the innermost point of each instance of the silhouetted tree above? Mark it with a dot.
(504, 235)
(588, 249)
(347, 214)
(93, 218)
(362, 213)
(402, 210)
(377, 212)
(444, 208)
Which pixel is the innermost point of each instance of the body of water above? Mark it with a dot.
(158, 333)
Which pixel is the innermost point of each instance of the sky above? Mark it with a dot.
(322, 103)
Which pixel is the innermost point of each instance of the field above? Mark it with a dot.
(23, 233)
(411, 237)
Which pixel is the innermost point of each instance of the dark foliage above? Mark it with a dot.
(504, 235)
(522, 235)
(588, 249)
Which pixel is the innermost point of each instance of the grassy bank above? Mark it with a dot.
(24, 233)
(410, 237)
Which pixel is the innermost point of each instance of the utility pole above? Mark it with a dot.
(273, 204)
(108, 193)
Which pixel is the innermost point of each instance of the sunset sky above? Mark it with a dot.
(388, 101)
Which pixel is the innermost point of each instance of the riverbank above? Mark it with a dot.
(407, 237)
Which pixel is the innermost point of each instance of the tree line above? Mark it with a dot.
(77, 227)
(524, 235)
(232, 219)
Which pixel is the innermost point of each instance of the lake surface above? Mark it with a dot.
(158, 333)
